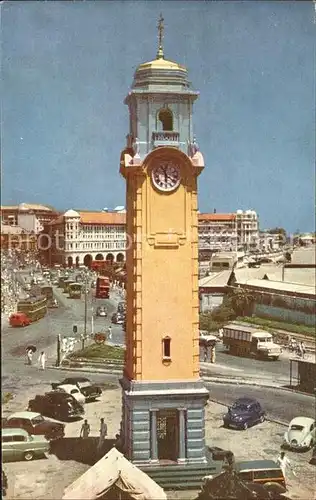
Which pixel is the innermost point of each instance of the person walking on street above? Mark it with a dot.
(29, 354)
(303, 349)
(284, 464)
(213, 355)
(85, 430)
(205, 353)
(42, 360)
(110, 332)
(103, 434)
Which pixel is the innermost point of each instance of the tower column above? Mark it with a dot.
(182, 415)
(153, 436)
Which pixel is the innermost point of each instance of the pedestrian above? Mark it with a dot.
(85, 430)
(103, 434)
(29, 354)
(303, 349)
(110, 332)
(284, 463)
(213, 355)
(42, 360)
(205, 353)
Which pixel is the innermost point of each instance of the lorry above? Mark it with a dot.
(102, 288)
(244, 340)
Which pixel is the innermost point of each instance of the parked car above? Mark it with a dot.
(261, 471)
(121, 308)
(101, 311)
(118, 319)
(301, 433)
(73, 390)
(35, 424)
(19, 319)
(87, 388)
(244, 413)
(18, 444)
(59, 405)
(52, 303)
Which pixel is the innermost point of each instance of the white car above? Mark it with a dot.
(73, 390)
(301, 434)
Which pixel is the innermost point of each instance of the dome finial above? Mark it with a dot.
(161, 28)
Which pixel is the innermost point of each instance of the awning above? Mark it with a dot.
(114, 470)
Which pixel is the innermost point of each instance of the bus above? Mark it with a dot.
(74, 290)
(66, 285)
(34, 308)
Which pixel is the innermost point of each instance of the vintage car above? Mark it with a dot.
(101, 311)
(244, 413)
(19, 319)
(18, 444)
(265, 472)
(118, 319)
(87, 388)
(72, 390)
(59, 405)
(35, 424)
(301, 434)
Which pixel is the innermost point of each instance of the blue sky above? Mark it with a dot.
(67, 67)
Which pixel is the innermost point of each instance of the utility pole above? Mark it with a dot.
(85, 310)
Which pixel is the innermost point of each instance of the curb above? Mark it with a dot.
(269, 419)
(87, 370)
(216, 380)
(255, 383)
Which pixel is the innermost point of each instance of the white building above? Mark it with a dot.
(228, 232)
(77, 238)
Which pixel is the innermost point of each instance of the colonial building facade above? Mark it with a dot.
(77, 238)
(29, 217)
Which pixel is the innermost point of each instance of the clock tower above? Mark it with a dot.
(163, 395)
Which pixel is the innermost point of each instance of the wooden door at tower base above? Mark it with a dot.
(168, 434)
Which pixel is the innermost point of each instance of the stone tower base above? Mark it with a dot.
(163, 422)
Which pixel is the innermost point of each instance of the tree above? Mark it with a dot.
(242, 301)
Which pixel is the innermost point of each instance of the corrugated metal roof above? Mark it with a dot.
(215, 279)
(282, 286)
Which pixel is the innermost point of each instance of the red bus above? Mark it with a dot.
(102, 288)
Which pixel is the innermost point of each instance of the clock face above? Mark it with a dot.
(166, 176)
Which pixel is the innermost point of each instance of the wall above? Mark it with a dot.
(210, 301)
(288, 315)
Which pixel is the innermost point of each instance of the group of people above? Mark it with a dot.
(41, 359)
(298, 347)
(209, 352)
(103, 432)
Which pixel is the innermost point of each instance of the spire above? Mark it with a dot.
(161, 28)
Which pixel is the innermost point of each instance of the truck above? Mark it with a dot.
(244, 340)
(102, 288)
(75, 290)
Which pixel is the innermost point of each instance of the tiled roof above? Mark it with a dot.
(102, 218)
(216, 217)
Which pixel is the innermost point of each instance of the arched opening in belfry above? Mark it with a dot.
(165, 120)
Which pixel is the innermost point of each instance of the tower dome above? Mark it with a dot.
(160, 71)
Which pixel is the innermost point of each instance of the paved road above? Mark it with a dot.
(279, 405)
(16, 375)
